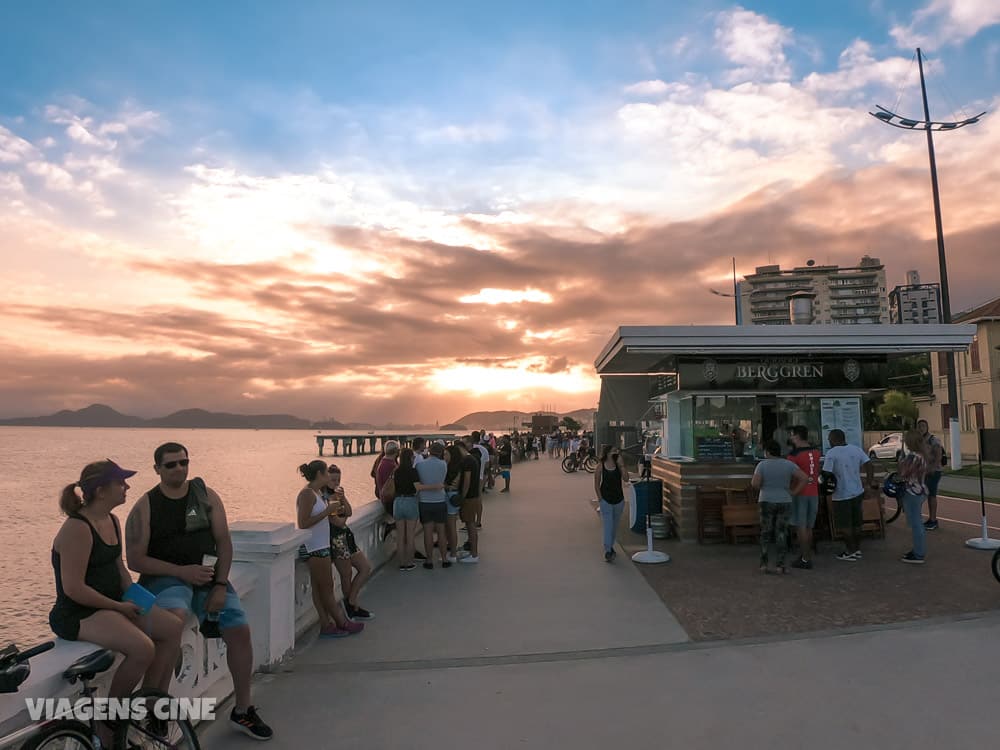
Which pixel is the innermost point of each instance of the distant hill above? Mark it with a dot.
(505, 420)
(99, 415)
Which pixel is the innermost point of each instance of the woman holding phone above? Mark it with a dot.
(351, 563)
(91, 577)
(608, 486)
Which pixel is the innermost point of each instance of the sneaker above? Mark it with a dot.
(505, 490)
(251, 724)
(332, 631)
(912, 559)
(463, 554)
(847, 557)
(353, 627)
(802, 564)
(446, 564)
(608, 556)
(359, 613)
(930, 525)
(469, 559)
(418, 555)
(408, 567)
(451, 558)
(428, 566)
(857, 555)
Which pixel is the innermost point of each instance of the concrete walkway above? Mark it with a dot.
(544, 645)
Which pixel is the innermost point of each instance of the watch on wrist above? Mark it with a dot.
(220, 583)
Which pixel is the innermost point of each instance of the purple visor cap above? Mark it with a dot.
(112, 473)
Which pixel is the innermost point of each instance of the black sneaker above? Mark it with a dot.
(418, 555)
(251, 724)
(912, 559)
(360, 613)
(802, 564)
(446, 564)
(609, 556)
(428, 565)
(930, 525)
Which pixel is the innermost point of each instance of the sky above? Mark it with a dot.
(397, 211)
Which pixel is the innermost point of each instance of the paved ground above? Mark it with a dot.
(970, 486)
(544, 645)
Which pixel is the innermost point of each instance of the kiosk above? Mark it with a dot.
(722, 391)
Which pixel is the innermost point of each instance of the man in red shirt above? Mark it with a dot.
(806, 504)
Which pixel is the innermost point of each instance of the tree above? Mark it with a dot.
(571, 424)
(897, 405)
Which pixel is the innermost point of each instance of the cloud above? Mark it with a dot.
(944, 22)
(754, 43)
(14, 148)
(647, 88)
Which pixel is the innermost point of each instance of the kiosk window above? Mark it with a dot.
(723, 427)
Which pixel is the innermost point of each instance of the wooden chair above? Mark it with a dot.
(741, 521)
(872, 517)
(711, 527)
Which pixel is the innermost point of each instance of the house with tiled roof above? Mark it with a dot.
(978, 371)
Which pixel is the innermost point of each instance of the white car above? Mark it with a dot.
(891, 446)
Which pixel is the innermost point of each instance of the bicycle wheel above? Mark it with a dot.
(152, 733)
(569, 464)
(891, 508)
(996, 564)
(590, 464)
(62, 735)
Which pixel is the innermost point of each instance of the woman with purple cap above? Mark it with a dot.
(91, 578)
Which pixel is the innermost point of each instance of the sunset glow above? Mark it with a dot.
(432, 212)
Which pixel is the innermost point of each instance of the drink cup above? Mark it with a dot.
(209, 561)
(142, 597)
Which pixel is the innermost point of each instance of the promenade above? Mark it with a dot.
(544, 645)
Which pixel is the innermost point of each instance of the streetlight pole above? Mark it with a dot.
(735, 295)
(928, 125)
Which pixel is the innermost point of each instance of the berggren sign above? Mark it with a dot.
(772, 373)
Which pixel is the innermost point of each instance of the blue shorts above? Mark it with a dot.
(173, 593)
(932, 481)
(505, 472)
(405, 508)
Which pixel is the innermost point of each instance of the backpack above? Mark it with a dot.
(827, 483)
(388, 493)
(893, 486)
(198, 513)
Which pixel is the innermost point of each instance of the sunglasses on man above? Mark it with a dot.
(175, 464)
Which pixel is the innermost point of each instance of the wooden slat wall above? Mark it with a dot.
(681, 482)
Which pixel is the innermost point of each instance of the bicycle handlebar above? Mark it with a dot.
(19, 657)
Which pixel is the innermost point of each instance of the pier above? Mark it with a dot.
(360, 445)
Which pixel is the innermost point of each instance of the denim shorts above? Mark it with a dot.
(405, 508)
(452, 509)
(173, 593)
(804, 509)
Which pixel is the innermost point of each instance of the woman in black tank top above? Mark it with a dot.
(91, 578)
(609, 480)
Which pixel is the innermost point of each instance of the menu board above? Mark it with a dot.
(714, 448)
(842, 414)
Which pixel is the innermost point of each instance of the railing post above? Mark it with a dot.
(271, 550)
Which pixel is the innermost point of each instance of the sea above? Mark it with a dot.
(254, 471)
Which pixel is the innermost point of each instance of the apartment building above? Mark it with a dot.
(978, 372)
(821, 294)
(914, 302)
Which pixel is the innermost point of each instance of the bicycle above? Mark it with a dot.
(573, 463)
(135, 733)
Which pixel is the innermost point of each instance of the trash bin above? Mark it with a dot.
(648, 499)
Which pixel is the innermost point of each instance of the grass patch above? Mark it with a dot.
(990, 471)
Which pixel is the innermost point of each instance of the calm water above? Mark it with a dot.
(254, 471)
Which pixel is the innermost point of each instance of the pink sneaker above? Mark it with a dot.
(351, 627)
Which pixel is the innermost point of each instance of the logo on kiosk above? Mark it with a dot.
(852, 370)
(710, 370)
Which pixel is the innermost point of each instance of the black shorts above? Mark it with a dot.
(847, 513)
(433, 513)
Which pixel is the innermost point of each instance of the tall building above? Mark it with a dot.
(818, 294)
(914, 302)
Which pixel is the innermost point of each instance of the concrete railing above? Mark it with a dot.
(275, 590)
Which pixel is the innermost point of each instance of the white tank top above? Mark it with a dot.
(319, 535)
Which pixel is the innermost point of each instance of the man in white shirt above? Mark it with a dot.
(844, 462)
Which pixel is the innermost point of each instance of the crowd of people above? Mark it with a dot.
(790, 487)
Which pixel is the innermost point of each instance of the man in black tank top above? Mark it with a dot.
(177, 539)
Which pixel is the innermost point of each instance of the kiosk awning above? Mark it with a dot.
(644, 350)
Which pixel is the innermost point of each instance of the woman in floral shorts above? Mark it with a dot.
(351, 563)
